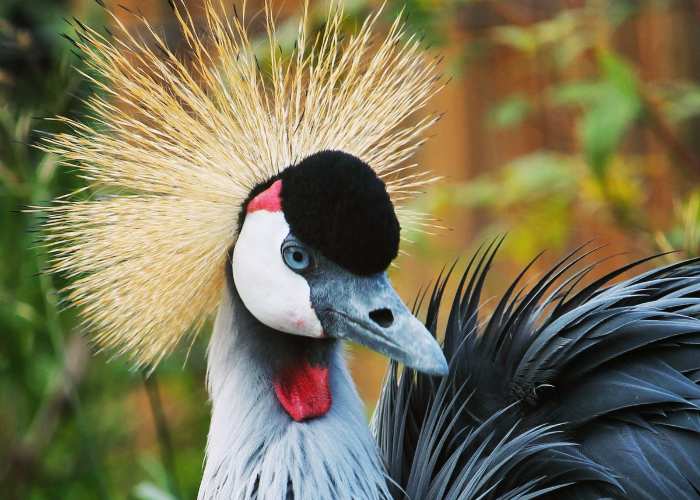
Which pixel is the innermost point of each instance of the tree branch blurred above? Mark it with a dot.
(150, 382)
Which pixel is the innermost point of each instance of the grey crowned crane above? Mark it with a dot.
(273, 195)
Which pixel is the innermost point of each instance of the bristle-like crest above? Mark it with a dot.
(182, 142)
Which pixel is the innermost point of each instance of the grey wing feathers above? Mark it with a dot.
(558, 394)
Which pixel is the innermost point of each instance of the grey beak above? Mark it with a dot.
(367, 310)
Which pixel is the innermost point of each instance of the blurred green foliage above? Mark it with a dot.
(610, 105)
(73, 425)
(67, 425)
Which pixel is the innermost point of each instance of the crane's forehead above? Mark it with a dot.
(335, 202)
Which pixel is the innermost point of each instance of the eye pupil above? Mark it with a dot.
(298, 256)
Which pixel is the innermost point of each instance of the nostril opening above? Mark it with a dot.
(382, 317)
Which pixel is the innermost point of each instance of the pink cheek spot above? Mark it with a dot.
(303, 391)
(269, 200)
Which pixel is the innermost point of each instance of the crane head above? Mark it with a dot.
(200, 156)
(311, 257)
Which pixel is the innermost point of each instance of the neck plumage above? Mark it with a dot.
(254, 448)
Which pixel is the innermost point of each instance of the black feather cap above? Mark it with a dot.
(337, 204)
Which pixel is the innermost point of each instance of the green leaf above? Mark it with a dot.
(611, 115)
(621, 10)
(557, 29)
(618, 73)
(511, 111)
(539, 174)
(601, 131)
(580, 93)
(536, 176)
(567, 50)
(683, 103)
(480, 192)
(611, 104)
(522, 39)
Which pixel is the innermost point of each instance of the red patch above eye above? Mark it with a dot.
(303, 391)
(269, 200)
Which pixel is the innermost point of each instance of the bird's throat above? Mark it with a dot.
(296, 367)
(261, 383)
(303, 390)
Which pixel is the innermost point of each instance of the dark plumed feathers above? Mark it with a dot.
(560, 394)
(337, 204)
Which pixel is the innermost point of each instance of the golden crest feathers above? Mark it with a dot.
(180, 144)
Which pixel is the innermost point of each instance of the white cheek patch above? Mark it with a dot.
(273, 293)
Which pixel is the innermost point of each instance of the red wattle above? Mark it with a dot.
(269, 199)
(303, 391)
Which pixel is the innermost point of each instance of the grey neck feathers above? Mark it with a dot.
(254, 449)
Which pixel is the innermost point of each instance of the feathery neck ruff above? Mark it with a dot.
(255, 449)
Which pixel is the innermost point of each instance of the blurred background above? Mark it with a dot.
(566, 121)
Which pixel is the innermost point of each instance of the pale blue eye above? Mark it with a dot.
(296, 257)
